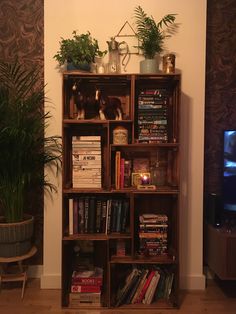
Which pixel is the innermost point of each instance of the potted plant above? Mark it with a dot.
(151, 37)
(78, 52)
(24, 153)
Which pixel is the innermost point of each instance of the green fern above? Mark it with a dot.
(150, 33)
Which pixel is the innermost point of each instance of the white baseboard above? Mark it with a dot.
(50, 281)
(53, 281)
(191, 282)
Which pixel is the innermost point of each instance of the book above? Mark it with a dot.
(117, 170)
(142, 281)
(98, 215)
(149, 295)
(123, 292)
(122, 172)
(104, 216)
(81, 215)
(91, 215)
(114, 215)
(160, 290)
(88, 277)
(87, 138)
(86, 215)
(124, 216)
(118, 216)
(85, 288)
(145, 287)
(134, 287)
(108, 215)
(78, 299)
(71, 216)
(75, 216)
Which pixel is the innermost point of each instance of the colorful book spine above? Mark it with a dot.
(85, 288)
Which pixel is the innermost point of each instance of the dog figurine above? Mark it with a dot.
(97, 106)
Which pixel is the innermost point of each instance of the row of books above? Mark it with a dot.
(153, 116)
(86, 287)
(145, 285)
(98, 215)
(153, 234)
(86, 162)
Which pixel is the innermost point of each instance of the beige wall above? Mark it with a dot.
(104, 19)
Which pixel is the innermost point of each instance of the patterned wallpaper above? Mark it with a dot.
(220, 104)
(21, 30)
(21, 36)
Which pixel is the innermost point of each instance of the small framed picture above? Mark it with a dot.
(140, 178)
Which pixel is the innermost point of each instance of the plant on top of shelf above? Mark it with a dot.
(151, 34)
(80, 51)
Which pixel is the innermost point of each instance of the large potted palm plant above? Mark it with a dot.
(151, 36)
(24, 152)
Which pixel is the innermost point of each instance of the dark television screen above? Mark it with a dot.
(229, 171)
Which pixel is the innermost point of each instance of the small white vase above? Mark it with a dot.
(148, 66)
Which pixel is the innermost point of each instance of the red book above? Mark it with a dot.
(88, 281)
(85, 288)
(122, 172)
(146, 285)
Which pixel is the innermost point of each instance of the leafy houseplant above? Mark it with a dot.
(24, 148)
(150, 33)
(79, 51)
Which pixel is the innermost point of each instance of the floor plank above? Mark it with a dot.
(218, 298)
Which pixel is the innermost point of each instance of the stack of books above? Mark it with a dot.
(153, 230)
(86, 162)
(153, 116)
(86, 286)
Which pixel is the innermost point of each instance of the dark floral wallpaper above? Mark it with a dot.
(21, 30)
(220, 103)
(21, 36)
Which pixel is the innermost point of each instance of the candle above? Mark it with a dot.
(145, 179)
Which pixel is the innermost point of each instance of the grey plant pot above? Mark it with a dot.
(15, 238)
(148, 66)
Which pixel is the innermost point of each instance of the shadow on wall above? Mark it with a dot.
(185, 180)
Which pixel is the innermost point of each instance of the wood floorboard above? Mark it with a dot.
(216, 299)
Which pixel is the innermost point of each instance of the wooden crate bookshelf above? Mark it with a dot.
(118, 201)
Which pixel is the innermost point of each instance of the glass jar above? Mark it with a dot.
(120, 135)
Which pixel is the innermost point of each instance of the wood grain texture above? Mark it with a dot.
(215, 299)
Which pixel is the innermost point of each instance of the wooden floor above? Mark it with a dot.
(214, 300)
